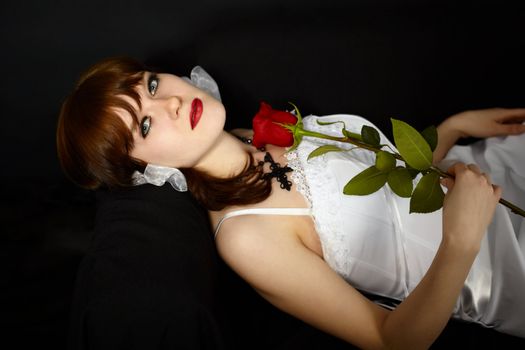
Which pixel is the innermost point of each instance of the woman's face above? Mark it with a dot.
(179, 123)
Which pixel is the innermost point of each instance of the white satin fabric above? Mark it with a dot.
(378, 247)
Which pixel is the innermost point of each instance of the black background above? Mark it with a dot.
(415, 60)
(418, 61)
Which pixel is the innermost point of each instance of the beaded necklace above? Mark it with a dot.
(277, 171)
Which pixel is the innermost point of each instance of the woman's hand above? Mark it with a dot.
(469, 205)
(489, 122)
(478, 123)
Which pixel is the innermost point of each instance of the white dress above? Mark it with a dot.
(378, 247)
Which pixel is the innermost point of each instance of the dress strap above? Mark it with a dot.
(263, 211)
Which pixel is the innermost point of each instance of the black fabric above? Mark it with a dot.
(149, 278)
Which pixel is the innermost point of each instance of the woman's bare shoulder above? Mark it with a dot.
(247, 240)
(245, 231)
(276, 263)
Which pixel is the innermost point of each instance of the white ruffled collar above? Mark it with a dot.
(158, 175)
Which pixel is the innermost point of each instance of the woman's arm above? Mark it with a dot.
(278, 265)
(478, 123)
(468, 208)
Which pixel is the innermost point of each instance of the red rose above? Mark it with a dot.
(266, 131)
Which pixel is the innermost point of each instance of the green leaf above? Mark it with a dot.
(352, 135)
(329, 123)
(385, 161)
(296, 141)
(370, 135)
(413, 172)
(400, 181)
(345, 132)
(431, 136)
(411, 145)
(297, 114)
(295, 129)
(366, 182)
(428, 195)
(322, 150)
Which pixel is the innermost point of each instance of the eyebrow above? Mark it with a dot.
(140, 116)
(144, 86)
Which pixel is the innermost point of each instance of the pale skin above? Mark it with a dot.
(281, 258)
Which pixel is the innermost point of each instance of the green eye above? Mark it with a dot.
(145, 125)
(153, 84)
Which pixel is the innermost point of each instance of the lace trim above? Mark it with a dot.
(298, 175)
(294, 161)
(321, 197)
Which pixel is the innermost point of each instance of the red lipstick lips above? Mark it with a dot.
(196, 112)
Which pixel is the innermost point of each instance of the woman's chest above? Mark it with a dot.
(300, 226)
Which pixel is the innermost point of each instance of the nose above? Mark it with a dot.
(173, 104)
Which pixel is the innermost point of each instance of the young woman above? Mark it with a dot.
(309, 249)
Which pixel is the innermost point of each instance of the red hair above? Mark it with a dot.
(93, 142)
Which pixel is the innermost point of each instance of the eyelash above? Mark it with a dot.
(145, 125)
(153, 84)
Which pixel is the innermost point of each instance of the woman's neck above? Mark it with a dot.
(227, 158)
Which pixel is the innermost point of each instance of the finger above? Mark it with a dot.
(474, 168)
(497, 191)
(510, 114)
(487, 176)
(511, 129)
(456, 167)
(519, 112)
(447, 182)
